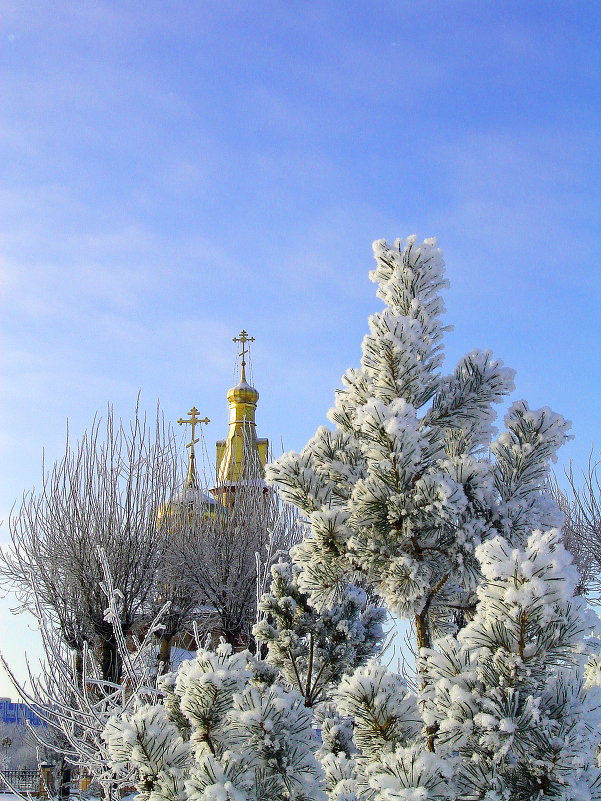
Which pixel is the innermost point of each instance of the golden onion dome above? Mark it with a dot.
(243, 393)
(188, 504)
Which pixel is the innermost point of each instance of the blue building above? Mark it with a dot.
(12, 712)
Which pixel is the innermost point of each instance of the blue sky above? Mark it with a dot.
(172, 172)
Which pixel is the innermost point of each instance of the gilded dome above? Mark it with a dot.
(243, 393)
(189, 503)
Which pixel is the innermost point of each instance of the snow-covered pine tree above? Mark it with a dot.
(219, 737)
(409, 483)
(234, 727)
(313, 650)
(409, 493)
(404, 488)
(387, 757)
(506, 697)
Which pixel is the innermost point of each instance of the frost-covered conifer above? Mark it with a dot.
(404, 489)
(233, 727)
(373, 744)
(313, 650)
(411, 493)
(219, 737)
(506, 697)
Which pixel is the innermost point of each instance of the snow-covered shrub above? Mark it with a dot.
(313, 650)
(242, 741)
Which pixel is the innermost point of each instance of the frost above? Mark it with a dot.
(509, 690)
(411, 502)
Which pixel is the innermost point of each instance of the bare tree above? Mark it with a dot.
(75, 701)
(118, 491)
(581, 505)
(228, 554)
(175, 554)
(101, 496)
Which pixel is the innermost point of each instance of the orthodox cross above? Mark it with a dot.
(192, 421)
(243, 338)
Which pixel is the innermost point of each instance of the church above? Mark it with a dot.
(229, 527)
(241, 456)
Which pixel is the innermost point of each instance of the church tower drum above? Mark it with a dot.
(241, 456)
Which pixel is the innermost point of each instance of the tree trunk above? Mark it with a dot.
(164, 654)
(64, 789)
(110, 661)
(424, 640)
(422, 630)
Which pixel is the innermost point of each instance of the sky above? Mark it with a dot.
(172, 172)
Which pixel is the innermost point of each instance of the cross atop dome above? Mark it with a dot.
(243, 338)
(192, 421)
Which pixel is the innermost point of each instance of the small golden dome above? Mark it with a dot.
(189, 504)
(243, 393)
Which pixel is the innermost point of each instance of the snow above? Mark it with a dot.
(412, 496)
